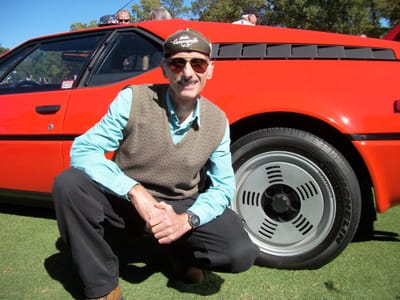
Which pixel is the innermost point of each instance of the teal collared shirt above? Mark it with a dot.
(87, 154)
(177, 129)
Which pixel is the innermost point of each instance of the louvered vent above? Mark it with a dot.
(299, 51)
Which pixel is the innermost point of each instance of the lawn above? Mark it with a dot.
(35, 265)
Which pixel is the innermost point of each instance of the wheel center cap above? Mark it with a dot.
(280, 203)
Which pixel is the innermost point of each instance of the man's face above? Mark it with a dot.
(252, 19)
(187, 73)
(123, 17)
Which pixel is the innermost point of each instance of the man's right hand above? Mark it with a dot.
(143, 201)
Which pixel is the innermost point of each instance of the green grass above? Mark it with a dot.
(32, 266)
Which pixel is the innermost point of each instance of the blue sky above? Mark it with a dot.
(21, 19)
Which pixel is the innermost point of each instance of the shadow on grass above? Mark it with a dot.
(60, 267)
(21, 210)
(139, 259)
(210, 285)
(375, 235)
(386, 236)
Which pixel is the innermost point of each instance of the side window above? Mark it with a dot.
(4, 66)
(128, 55)
(51, 66)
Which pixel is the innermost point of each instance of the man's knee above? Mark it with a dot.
(66, 178)
(242, 256)
(71, 180)
(235, 252)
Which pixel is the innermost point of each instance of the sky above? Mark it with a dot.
(21, 20)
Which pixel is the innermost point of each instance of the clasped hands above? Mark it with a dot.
(161, 219)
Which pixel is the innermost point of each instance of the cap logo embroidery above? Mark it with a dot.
(185, 41)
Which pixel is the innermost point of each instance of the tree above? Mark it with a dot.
(389, 10)
(342, 16)
(3, 50)
(79, 25)
(223, 10)
(353, 17)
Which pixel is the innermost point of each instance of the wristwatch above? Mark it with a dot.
(193, 219)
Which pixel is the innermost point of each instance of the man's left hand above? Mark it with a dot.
(166, 225)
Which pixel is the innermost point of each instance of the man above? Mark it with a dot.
(168, 142)
(123, 16)
(249, 17)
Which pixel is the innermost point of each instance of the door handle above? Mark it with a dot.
(47, 109)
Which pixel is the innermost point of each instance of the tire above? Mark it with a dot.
(298, 197)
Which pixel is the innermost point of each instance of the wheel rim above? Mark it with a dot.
(286, 202)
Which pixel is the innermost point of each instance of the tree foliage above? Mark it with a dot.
(3, 50)
(224, 10)
(79, 25)
(390, 10)
(343, 16)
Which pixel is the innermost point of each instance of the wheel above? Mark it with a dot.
(298, 197)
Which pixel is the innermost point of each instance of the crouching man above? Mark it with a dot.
(168, 141)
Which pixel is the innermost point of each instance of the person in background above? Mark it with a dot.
(160, 13)
(123, 16)
(249, 17)
(170, 178)
(108, 20)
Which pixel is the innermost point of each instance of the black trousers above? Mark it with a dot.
(83, 209)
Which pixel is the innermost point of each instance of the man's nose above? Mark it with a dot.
(188, 70)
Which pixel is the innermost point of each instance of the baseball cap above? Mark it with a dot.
(186, 40)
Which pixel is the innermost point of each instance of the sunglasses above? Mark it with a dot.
(176, 65)
(123, 20)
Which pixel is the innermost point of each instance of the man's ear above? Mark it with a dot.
(164, 67)
(210, 70)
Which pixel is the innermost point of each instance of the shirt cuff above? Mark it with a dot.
(124, 185)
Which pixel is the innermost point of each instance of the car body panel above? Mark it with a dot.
(293, 93)
(31, 136)
(384, 172)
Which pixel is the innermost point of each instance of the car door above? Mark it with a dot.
(131, 57)
(35, 87)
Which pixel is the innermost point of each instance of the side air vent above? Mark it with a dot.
(298, 51)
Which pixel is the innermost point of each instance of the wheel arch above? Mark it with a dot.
(332, 136)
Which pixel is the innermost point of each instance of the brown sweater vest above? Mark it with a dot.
(148, 155)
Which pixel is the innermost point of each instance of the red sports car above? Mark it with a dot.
(315, 122)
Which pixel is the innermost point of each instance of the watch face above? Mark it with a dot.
(194, 220)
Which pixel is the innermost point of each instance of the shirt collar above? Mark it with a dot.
(195, 117)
